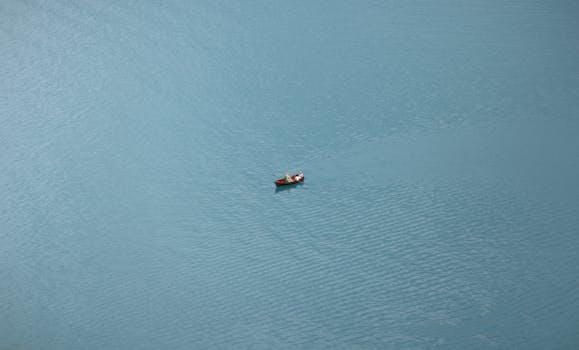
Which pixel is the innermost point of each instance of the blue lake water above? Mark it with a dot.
(139, 142)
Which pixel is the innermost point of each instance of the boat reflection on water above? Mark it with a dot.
(288, 187)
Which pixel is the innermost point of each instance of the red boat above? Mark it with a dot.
(290, 180)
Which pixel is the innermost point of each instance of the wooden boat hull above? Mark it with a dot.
(295, 180)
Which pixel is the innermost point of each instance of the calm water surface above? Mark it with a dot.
(139, 142)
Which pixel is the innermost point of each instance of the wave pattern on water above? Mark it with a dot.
(140, 143)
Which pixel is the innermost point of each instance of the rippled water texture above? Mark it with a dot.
(139, 142)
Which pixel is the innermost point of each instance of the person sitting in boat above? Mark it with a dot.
(288, 178)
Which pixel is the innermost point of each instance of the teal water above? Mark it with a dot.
(139, 142)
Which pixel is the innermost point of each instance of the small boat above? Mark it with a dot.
(290, 180)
